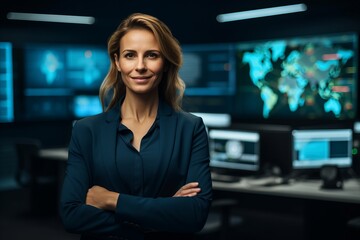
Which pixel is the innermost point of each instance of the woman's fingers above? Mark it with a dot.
(190, 185)
(188, 190)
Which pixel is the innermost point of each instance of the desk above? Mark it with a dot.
(60, 154)
(319, 213)
(304, 189)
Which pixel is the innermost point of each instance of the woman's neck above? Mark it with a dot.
(139, 108)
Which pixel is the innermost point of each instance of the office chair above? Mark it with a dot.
(37, 174)
(221, 222)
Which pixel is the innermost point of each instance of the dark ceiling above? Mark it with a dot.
(191, 21)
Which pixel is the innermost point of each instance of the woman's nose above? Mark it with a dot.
(141, 66)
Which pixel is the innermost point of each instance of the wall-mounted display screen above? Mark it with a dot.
(299, 78)
(208, 69)
(55, 76)
(209, 74)
(288, 81)
(6, 83)
(70, 67)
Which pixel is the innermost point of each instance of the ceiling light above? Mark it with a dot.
(50, 18)
(228, 17)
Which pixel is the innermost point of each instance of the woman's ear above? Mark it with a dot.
(116, 60)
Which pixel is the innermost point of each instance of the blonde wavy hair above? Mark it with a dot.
(171, 87)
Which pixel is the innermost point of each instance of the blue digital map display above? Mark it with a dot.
(303, 77)
(66, 67)
(55, 77)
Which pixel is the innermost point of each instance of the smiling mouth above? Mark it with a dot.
(141, 80)
(141, 77)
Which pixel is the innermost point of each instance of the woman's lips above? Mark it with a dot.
(141, 79)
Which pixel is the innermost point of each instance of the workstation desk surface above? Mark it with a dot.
(60, 154)
(301, 189)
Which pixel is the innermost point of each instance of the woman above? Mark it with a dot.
(140, 169)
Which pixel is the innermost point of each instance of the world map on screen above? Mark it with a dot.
(303, 75)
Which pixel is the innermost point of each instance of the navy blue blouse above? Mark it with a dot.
(133, 165)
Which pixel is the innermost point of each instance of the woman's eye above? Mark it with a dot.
(129, 55)
(153, 55)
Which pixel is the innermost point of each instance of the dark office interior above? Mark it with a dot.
(259, 111)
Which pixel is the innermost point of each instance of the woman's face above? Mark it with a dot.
(140, 62)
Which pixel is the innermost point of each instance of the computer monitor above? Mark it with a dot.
(304, 78)
(315, 148)
(234, 151)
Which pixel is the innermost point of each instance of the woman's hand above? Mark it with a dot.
(102, 198)
(188, 190)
